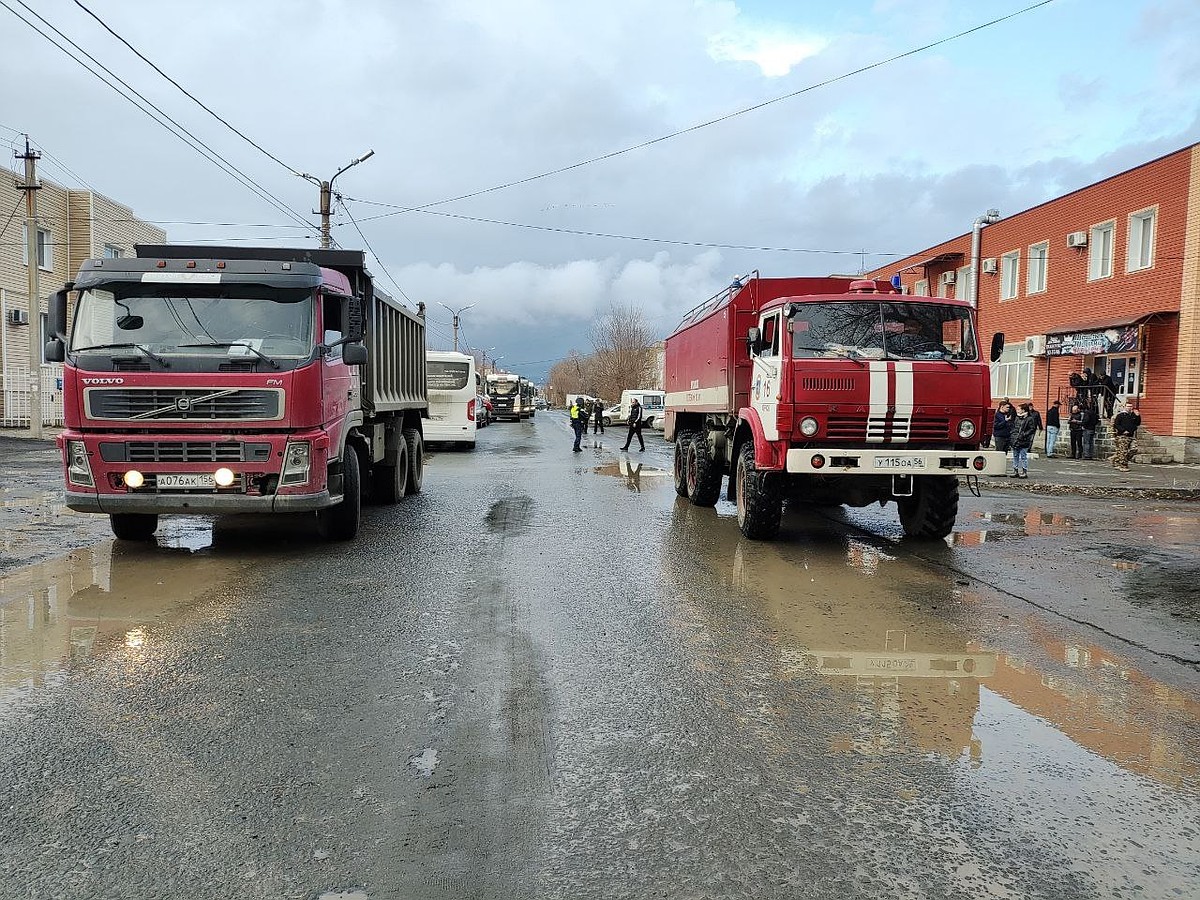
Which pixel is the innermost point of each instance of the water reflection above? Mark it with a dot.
(630, 470)
(1033, 522)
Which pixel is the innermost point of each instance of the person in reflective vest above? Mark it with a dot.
(576, 424)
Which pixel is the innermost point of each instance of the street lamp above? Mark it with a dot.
(327, 194)
(456, 313)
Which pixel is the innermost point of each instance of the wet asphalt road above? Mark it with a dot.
(547, 677)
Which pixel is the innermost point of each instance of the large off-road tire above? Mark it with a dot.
(389, 483)
(340, 523)
(703, 473)
(134, 526)
(683, 440)
(416, 460)
(930, 512)
(759, 499)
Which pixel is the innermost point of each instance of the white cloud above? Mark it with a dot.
(775, 52)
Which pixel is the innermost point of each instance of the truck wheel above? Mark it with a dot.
(416, 460)
(683, 440)
(134, 526)
(340, 523)
(388, 483)
(759, 501)
(703, 476)
(930, 512)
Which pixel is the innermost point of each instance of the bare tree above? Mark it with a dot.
(625, 355)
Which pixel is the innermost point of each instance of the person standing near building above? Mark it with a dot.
(1108, 388)
(1002, 427)
(598, 417)
(1091, 419)
(575, 426)
(635, 425)
(1075, 423)
(1024, 430)
(1125, 426)
(1053, 426)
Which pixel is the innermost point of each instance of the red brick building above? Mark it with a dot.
(1106, 277)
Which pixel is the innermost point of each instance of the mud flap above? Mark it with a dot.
(902, 485)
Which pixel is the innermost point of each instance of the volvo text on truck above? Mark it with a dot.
(214, 380)
(829, 391)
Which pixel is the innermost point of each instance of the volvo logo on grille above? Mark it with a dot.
(183, 404)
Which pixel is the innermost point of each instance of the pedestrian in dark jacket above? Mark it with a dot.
(1024, 430)
(598, 418)
(1108, 388)
(635, 425)
(1053, 426)
(1125, 426)
(1091, 419)
(585, 411)
(1075, 423)
(1002, 427)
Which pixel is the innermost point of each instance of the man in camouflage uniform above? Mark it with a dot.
(1125, 426)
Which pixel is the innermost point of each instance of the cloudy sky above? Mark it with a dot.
(457, 97)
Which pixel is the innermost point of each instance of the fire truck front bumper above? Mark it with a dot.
(887, 461)
(196, 503)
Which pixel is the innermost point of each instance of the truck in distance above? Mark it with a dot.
(512, 396)
(215, 380)
(829, 391)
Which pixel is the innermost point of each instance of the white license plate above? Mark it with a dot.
(191, 480)
(899, 462)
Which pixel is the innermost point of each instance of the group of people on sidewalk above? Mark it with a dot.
(581, 412)
(1015, 429)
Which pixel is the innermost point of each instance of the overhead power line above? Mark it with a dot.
(367, 244)
(724, 118)
(185, 91)
(178, 130)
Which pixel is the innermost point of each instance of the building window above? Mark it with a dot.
(1141, 240)
(1010, 275)
(1100, 252)
(112, 251)
(1013, 374)
(921, 288)
(45, 249)
(962, 283)
(1039, 259)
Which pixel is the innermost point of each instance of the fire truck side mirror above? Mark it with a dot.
(997, 345)
(753, 341)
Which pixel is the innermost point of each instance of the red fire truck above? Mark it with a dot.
(214, 380)
(829, 391)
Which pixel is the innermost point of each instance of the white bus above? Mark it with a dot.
(452, 397)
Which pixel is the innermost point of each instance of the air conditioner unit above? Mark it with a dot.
(1077, 239)
(18, 317)
(948, 277)
(989, 266)
(1035, 345)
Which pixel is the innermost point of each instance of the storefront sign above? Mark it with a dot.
(1089, 343)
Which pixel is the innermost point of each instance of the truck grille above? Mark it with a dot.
(183, 404)
(184, 451)
(893, 429)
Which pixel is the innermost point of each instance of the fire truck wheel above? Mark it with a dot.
(134, 526)
(759, 501)
(388, 483)
(683, 440)
(703, 476)
(340, 523)
(416, 460)
(930, 512)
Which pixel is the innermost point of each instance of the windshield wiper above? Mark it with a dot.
(847, 353)
(260, 355)
(150, 353)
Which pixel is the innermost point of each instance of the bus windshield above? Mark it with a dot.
(883, 331)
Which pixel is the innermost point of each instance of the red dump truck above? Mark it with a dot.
(215, 380)
(829, 391)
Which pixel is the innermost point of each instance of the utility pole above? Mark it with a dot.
(30, 186)
(327, 196)
(456, 314)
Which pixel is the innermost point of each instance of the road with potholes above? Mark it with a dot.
(546, 676)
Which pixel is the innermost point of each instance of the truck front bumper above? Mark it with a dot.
(885, 461)
(196, 504)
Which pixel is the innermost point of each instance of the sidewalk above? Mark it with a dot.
(1098, 478)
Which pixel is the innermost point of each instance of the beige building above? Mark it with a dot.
(73, 225)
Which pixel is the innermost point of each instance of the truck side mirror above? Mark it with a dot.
(753, 341)
(997, 345)
(56, 325)
(354, 354)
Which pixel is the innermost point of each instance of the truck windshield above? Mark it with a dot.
(883, 331)
(230, 322)
(447, 376)
(503, 388)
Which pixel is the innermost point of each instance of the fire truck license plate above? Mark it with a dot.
(196, 480)
(899, 462)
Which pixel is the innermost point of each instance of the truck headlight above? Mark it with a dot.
(808, 426)
(966, 429)
(79, 470)
(295, 463)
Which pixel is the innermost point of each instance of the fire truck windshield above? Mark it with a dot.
(883, 331)
(232, 322)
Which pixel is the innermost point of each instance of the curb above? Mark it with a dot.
(1099, 490)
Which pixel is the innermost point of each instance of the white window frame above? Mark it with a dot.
(921, 288)
(113, 251)
(1139, 223)
(962, 283)
(1099, 266)
(45, 249)
(1010, 275)
(1037, 272)
(1012, 375)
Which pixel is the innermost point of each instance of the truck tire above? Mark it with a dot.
(389, 483)
(683, 440)
(703, 475)
(416, 460)
(929, 514)
(134, 526)
(759, 500)
(340, 523)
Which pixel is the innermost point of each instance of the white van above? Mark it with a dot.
(653, 405)
(450, 378)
